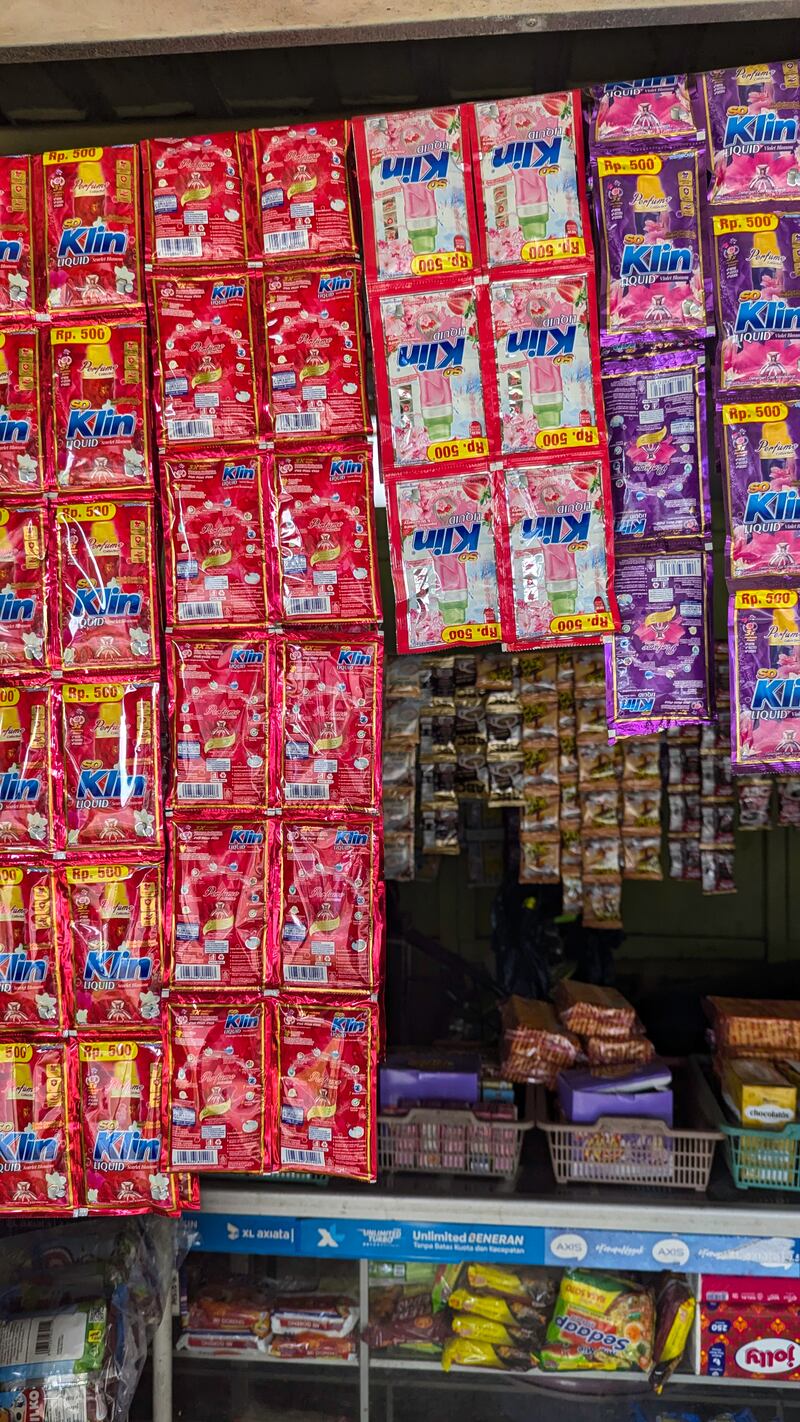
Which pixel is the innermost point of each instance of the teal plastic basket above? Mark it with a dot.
(763, 1159)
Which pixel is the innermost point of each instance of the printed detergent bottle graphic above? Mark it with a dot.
(89, 193)
(98, 376)
(783, 634)
(530, 196)
(766, 263)
(561, 578)
(436, 404)
(776, 453)
(650, 204)
(452, 592)
(422, 221)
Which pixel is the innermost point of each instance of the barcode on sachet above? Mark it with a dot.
(44, 1338)
(670, 385)
(179, 246)
(286, 241)
(298, 790)
(200, 611)
(304, 606)
(190, 429)
(298, 424)
(300, 973)
(678, 567)
(302, 1157)
(197, 972)
(194, 1157)
(200, 790)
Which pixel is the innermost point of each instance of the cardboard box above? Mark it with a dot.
(644, 1093)
(750, 1328)
(758, 1094)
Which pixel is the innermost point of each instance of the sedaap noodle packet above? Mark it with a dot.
(107, 610)
(91, 253)
(100, 415)
(123, 1126)
(757, 276)
(325, 1096)
(752, 115)
(24, 585)
(759, 439)
(112, 924)
(194, 207)
(302, 192)
(325, 926)
(31, 969)
(23, 412)
(112, 764)
(764, 635)
(40, 1160)
(219, 724)
(218, 905)
(219, 1084)
(323, 528)
(654, 110)
(30, 769)
(18, 275)
(325, 721)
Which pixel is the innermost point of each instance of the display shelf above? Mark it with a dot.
(258, 1360)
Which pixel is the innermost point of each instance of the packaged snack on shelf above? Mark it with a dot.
(415, 186)
(333, 1316)
(758, 443)
(304, 206)
(122, 1105)
(312, 1345)
(657, 109)
(656, 415)
(594, 1011)
(430, 395)
(219, 725)
(749, 1328)
(754, 1027)
(604, 1051)
(194, 208)
(18, 276)
(757, 279)
(474, 1353)
(24, 537)
(215, 543)
(23, 463)
(219, 1085)
(30, 769)
(315, 368)
(529, 177)
(325, 1097)
(207, 385)
(112, 764)
(325, 931)
(546, 364)
(35, 1086)
(758, 1094)
(765, 713)
(535, 1046)
(398, 856)
(100, 408)
(441, 545)
(91, 229)
(554, 554)
(401, 1315)
(600, 1322)
(325, 722)
(322, 522)
(675, 1313)
(752, 116)
(113, 925)
(658, 668)
(218, 913)
(107, 585)
(31, 969)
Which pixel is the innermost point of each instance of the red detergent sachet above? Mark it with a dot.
(18, 276)
(325, 721)
(100, 408)
(441, 544)
(122, 1100)
(216, 563)
(218, 716)
(107, 585)
(24, 579)
(31, 991)
(207, 390)
(113, 923)
(316, 378)
(38, 1169)
(764, 635)
(112, 764)
(218, 911)
(219, 1085)
(92, 229)
(23, 466)
(304, 206)
(194, 205)
(325, 925)
(321, 513)
(326, 1087)
(30, 769)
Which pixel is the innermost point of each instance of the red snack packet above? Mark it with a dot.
(194, 207)
(22, 453)
(114, 932)
(112, 765)
(91, 219)
(37, 1163)
(218, 914)
(216, 555)
(326, 1068)
(122, 1097)
(101, 421)
(219, 724)
(302, 193)
(29, 769)
(30, 971)
(107, 593)
(206, 391)
(325, 709)
(17, 269)
(325, 921)
(316, 382)
(323, 524)
(23, 595)
(218, 1085)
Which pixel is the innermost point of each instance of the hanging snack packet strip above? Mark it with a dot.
(122, 1102)
(758, 442)
(322, 523)
(753, 120)
(41, 1171)
(757, 277)
(658, 110)
(304, 206)
(764, 635)
(107, 592)
(529, 177)
(555, 558)
(325, 925)
(325, 722)
(219, 725)
(218, 909)
(23, 464)
(219, 1085)
(112, 765)
(91, 220)
(113, 926)
(194, 208)
(18, 285)
(30, 769)
(31, 996)
(441, 544)
(24, 536)
(326, 1088)
(100, 409)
